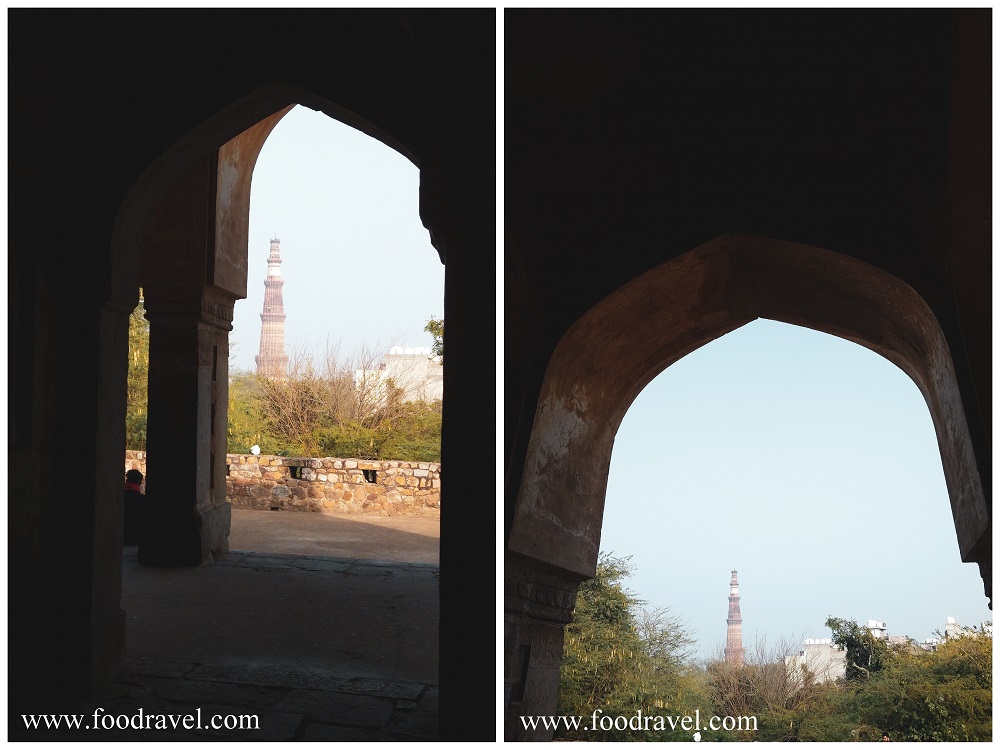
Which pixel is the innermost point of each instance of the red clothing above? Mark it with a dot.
(132, 487)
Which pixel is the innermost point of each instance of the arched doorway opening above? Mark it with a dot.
(621, 344)
(184, 228)
(807, 462)
(358, 276)
(182, 233)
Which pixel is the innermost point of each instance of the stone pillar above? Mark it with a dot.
(538, 604)
(187, 514)
(457, 207)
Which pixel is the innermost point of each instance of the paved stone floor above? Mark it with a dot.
(317, 647)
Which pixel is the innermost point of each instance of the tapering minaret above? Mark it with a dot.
(272, 360)
(734, 631)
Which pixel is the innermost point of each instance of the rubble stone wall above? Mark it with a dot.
(327, 485)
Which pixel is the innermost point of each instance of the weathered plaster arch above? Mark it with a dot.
(182, 235)
(617, 347)
(218, 156)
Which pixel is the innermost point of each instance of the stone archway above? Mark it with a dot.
(185, 224)
(610, 354)
(91, 129)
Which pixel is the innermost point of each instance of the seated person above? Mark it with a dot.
(134, 506)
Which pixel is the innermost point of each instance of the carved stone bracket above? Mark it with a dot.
(219, 314)
(539, 600)
(539, 592)
(201, 304)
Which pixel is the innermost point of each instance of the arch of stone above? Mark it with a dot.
(611, 353)
(674, 176)
(133, 169)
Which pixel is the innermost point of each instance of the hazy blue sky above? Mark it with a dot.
(806, 462)
(358, 265)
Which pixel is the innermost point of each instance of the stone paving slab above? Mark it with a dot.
(342, 709)
(396, 689)
(358, 566)
(257, 563)
(203, 693)
(325, 566)
(267, 675)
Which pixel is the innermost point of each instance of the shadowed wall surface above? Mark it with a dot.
(133, 151)
(833, 162)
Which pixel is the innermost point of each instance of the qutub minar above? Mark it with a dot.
(272, 361)
(734, 631)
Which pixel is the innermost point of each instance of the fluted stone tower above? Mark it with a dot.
(272, 360)
(734, 631)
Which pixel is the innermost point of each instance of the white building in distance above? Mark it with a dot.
(827, 662)
(953, 630)
(412, 369)
(820, 658)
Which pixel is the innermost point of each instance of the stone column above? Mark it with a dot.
(538, 604)
(187, 514)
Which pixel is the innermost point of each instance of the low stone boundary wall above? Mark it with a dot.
(333, 484)
(330, 485)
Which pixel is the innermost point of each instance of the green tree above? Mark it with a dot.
(941, 695)
(866, 654)
(330, 408)
(415, 435)
(825, 716)
(136, 399)
(904, 691)
(435, 328)
(620, 658)
(601, 644)
(247, 422)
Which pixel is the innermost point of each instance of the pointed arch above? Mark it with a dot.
(219, 155)
(612, 352)
(182, 234)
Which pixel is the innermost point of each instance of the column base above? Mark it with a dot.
(185, 541)
(538, 604)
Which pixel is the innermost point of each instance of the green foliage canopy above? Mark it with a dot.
(936, 696)
(621, 658)
(614, 662)
(136, 400)
(312, 414)
(866, 654)
(904, 691)
(435, 328)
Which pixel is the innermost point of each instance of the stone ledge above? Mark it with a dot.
(327, 485)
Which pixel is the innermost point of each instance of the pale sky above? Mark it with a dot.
(810, 465)
(358, 265)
